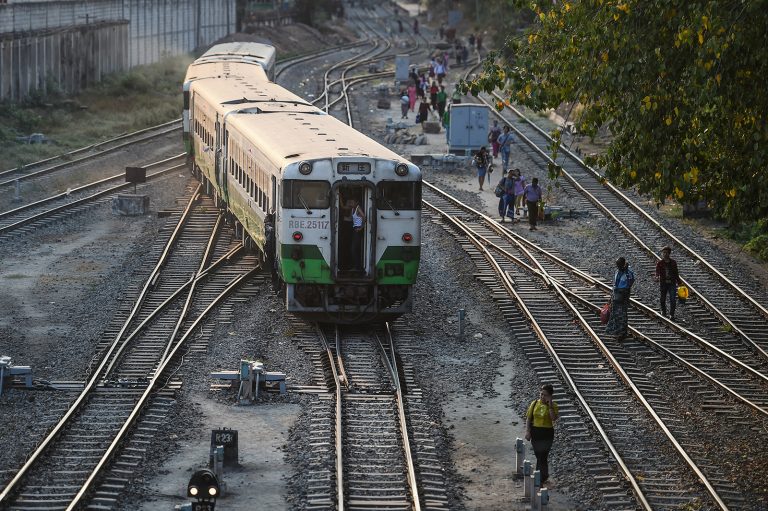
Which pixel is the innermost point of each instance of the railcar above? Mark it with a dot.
(288, 175)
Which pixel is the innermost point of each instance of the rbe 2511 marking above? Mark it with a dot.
(308, 224)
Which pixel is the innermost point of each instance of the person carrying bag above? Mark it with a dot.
(540, 428)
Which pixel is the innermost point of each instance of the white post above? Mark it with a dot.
(527, 481)
(519, 456)
(536, 483)
(543, 498)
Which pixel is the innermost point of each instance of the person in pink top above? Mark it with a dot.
(519, 188)
(412, 96)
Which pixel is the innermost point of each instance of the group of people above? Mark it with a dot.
(514, 193)
(429, 90)
(542, 413)
(668, 277)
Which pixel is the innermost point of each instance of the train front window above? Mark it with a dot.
(399, 195)
(306, 194)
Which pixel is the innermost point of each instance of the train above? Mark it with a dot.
(335, 215)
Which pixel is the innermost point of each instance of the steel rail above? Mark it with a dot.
(648, 311)
(78, 202)
(50, 170)
(353, 62)
(617, 192)
(507, 283)
(95, 377)
(701, 296)
(338, 436)
(393, 368)
(188, 302)
(287, 62)
(292, 61)
(83, 149)
(637, 333)
(84, 187)
(559, 288)
(234, 284)
(171, 299)
(640, 397)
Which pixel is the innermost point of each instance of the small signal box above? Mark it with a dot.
(135, 175)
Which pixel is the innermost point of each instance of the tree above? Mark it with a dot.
(679, 83)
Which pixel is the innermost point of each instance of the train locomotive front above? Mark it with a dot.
(334, 269)
(336, 215)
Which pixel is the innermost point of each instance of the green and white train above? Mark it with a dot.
(288, 174)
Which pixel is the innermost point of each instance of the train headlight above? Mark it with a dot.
(212, 491)
(305, 168)
(407, 237)
(297, 236)
(193, 491)
(401, 169)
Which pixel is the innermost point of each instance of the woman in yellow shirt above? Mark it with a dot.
(540, 429)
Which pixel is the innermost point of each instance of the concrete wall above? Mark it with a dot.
(150, 30)
(67, 59)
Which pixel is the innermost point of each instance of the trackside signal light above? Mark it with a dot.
(407, 237)
(297, 236)
(203, 485)
(305, 168)
(401, 169)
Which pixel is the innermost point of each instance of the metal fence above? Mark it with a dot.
(72, 43)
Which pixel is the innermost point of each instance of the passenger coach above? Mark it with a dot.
(289, 175)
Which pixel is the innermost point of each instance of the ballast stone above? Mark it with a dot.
(126, 204)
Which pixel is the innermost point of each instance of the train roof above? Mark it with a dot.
(245, 51)
(223, 70)
(230, 91)
(291, 136)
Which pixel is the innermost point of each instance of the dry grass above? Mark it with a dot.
(145, 96)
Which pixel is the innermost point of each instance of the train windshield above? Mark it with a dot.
(399, 195)
(306, 194)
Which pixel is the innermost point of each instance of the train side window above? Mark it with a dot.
(298, 194)
(398, 195)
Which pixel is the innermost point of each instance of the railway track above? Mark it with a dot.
(589, 363)
(78, 200)
(371, 433)
(719, 303)
(66, 160)
(129, 389)
(733, 375)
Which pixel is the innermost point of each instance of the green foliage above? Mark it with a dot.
(752, 235)
(677, 82)
(759, 245)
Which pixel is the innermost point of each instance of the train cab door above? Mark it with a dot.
(353, 243)
(218, 159)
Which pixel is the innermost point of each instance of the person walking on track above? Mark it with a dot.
(493, 139)
(668, 278)
(481, 161)
(623, 280)
(533, 194)
(505, 146)
(507, 200)
(540, 428)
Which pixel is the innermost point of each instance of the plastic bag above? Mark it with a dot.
(682, 293)
(605, 313)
